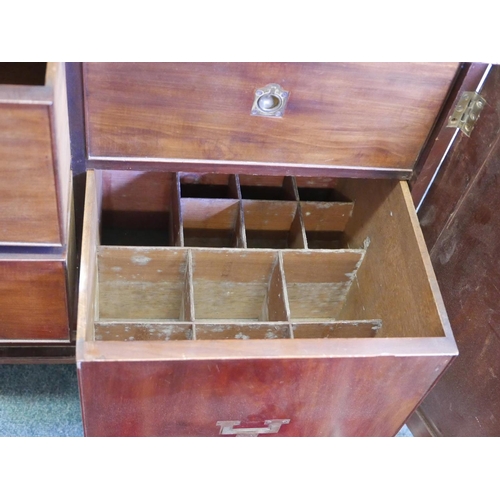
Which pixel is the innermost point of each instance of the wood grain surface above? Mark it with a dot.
(352, 378)
(141, 283)
(461, 223)
(363, 116)
(35, 193)
(366, 396)
(468, 78)
(59, 129)
(33, 300)
(396, 282)
(28, 203)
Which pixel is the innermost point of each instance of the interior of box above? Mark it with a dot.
(22, 73)
(198, 257)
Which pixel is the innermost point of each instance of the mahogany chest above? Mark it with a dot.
(36, 207)
(251, 261)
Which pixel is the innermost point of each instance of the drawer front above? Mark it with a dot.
(278, 397)
(34, 155)
(33, 300)
(361, 118)
(28, 203)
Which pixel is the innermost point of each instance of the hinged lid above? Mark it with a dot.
(466, 112)
(342, 119)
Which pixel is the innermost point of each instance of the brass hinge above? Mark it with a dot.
(466, 112)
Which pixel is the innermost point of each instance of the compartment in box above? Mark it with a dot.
(166, 217)
(324, 222)
(139, 208)
(209, 186)
(273, 224)
(23, 73)
(315, 293)
(317, 282)
(237, 285)
(142, 283)
(211, 222)
(263, 187)
(211, 211)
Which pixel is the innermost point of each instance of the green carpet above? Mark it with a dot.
(39, 400)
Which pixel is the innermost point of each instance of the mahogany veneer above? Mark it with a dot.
(36, 238)
(340, 341)
(242, 274)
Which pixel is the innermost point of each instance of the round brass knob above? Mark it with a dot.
(268, 102)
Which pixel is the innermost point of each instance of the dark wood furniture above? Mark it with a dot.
(281, 290)
(36, 207)
(461, 224)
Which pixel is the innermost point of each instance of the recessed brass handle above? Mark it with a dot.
(270, 100)
(273, 426)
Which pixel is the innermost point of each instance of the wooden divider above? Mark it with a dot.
(222, 211)
(236, 291)
(141, 283)
(130, 331)
(224, 293)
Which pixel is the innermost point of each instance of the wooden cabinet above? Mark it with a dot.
(36, 239)
(242, 274)
(460, 220)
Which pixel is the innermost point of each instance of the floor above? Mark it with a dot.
(42, 400)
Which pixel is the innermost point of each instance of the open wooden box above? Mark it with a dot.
(248, 275)
(186, 308)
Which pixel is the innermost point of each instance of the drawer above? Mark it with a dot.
(33, 298)
(254, 305)
(34, 155)
(339, 119)
(36, 205)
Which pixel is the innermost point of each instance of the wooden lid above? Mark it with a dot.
(345, 119)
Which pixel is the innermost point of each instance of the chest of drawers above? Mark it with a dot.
(251, 261)
(36, 238)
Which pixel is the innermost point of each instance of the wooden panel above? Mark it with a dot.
(39, 353)
(321, 397)
(56, 80)
(126, 191)
(461, 222)
(317, 285)
(209, 214)
(468, 79)
(337, 329)
(28, 203)
(141, 283)
(325, 216)
(461, 167)
(396, 282)
(242, 331)
(264, 215)
(33, 298)
(231, 284)
(374, 115)
(132, 331)
(87, 286)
